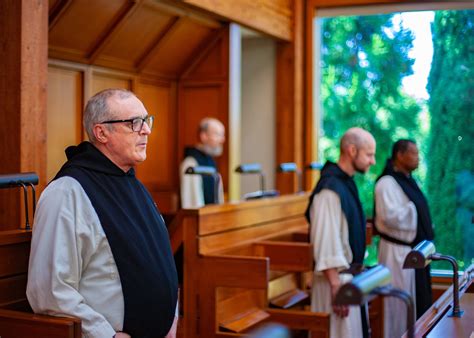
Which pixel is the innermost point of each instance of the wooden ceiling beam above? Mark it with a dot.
(179, 9)
(125, 13)
(157, 44)
(57, 11)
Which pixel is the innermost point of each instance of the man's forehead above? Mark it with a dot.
(215, 126)
(368, 146)
(128, 107)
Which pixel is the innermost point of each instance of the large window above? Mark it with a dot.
(406, 75)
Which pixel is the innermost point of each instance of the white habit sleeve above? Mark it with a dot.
(62, 246)
(395, 213)
(329, 233)
(192, 195)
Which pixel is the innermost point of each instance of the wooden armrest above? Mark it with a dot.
(243, 321)
(25, 325)
(289, 299)
(286, 256)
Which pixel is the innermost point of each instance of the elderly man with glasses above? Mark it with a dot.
(100, 249)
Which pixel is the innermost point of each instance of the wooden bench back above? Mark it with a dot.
(16, 317)
(238, 257)
(227, 227)
(14, 255)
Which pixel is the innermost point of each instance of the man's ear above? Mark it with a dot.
(101, 133)
(203, 137)
(352, 149)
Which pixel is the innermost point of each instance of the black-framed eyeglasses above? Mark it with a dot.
(136, 122)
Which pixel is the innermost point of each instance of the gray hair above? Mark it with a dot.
(98, 110)
(205, 122)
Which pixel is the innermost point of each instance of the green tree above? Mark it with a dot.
(363, 61)
(451, 88)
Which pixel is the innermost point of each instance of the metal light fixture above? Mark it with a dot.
(206, 171)
(422, 255)
(22, 180)
(314, 166)
(368, 285)
(291, 167)
(252, 168)
(256, 168)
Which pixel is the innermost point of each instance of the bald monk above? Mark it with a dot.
(338, 231)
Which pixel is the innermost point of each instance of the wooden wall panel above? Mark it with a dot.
(158, 171)
(273, 17)
(203, 91)
(197, 101)
(101, 81)
(212, 63)
(290, 103)
(64, 121)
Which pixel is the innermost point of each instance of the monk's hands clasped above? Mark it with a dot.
(340, 310)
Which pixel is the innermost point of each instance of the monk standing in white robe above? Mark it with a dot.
(338, 231)
(401, 226)
(197, 191)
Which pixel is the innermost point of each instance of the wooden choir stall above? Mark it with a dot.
(244, 265)
(249, 263)
(437, 322)
(16, 316)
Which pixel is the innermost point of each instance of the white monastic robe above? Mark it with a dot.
(330, 238)
(396, 216)
(192, 195)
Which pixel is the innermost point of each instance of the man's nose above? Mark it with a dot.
(145, 129)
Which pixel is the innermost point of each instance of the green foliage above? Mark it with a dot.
(450, 181)
(363, 60)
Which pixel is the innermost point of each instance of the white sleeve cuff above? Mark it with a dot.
(100, 330)
(335, 262)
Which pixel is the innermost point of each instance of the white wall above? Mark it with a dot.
(258, 110)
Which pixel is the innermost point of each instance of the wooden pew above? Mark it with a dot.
(241, 258)
(16, 317)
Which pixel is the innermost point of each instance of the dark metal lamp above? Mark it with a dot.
(291, 167)
(206, 171)
(368, 285)
(314, 166)
(256, 168)
(422, 255)
(22, 180)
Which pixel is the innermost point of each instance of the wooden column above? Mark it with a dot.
(23, 80)
(290, 101)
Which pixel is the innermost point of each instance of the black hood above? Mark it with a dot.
(87, 156)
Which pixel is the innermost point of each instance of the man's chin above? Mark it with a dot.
(212, 151)
(141, 157)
